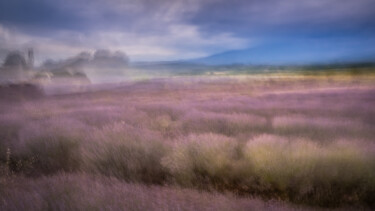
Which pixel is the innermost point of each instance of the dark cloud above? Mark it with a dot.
(91, 15)
(40, 14)
(287, 17)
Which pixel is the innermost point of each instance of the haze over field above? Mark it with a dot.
(187, 104)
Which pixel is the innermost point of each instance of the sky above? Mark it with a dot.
(161, 30)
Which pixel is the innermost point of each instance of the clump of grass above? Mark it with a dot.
(321, 129)
(299, 170)
(202, 160)
(48, 146)
(88, 192)
(128, 153)
(174, 111)
(5, 170)
(10, 124)
(221, 123)
(52, 153)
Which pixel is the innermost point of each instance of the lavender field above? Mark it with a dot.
(191, 143)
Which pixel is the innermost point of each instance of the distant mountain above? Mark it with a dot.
(292, 53)
(269, 57)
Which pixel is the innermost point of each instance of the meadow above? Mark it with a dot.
(258, 142)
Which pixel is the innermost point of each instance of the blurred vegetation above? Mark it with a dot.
(295, 140)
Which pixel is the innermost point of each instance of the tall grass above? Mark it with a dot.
(226, 124)
(128, 153)
(201, 160)
(87, 192)
(306, 147)
(317, 174)
(296, 170)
